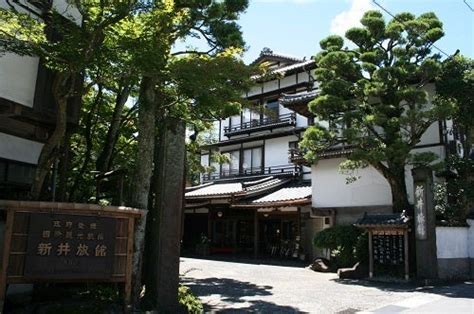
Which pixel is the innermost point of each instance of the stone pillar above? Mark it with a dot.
(425, 224)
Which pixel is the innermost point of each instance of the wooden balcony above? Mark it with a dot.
(269, 123)
(296, 156)
(277, 171)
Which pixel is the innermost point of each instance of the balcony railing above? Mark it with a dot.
(296, 156)
(288, 119)
(283, 170)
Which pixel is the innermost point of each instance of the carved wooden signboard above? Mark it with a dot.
(388, 247)
(68, 246)
(67, 242)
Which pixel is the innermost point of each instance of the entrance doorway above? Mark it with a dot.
(279, 236)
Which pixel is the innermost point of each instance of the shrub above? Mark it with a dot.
(188, 301)
(347, 244)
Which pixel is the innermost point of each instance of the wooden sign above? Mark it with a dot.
(67, 242)
(70, 247)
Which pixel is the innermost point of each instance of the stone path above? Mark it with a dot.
(235, 287)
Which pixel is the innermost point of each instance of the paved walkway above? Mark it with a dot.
(235, 287)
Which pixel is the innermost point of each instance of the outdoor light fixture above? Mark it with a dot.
(265, 215)
(219, 214)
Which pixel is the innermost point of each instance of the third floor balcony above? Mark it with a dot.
(266, 123)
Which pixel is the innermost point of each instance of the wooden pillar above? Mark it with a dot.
(407, 259)
(371, 256)
(255, 237)
(209, 224)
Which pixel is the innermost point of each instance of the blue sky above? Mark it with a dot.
(295, 27)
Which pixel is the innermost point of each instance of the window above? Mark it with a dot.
(293, 145)
(231, 167)
(272, 109)
(252, 160)
(250, 116)
(16, 172)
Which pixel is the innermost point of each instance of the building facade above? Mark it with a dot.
(258, 202)
(27, 108)
(267, 195)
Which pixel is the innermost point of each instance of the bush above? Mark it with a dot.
(188, 301)
(347, 244)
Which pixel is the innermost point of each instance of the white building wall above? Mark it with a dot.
(18, 78)
(452, 242)
(276, 151)
(20, 149)
(331, 190)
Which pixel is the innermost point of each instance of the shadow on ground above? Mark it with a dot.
(233, 291)
(448, 289)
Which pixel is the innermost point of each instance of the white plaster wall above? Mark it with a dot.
(470, 238)
(303, 77)
(20, 149)
(331, 190)
(205, 160)
(431, 135)
(276, 151)
(270, 86)
(254, 90)
(301, 121)
(18, 78)
(288, 81)
(452, 242)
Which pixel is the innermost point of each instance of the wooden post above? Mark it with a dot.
(407, 259)
(255, 237)
(6, 257)
(371, 256)
(128, 274)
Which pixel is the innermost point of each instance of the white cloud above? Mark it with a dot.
(350, 18)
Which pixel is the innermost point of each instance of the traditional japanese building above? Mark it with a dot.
(258, 203)
(268, 197)
(27, 108)
(370, 193)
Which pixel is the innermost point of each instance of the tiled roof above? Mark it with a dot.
(306, 96)
(216, 189)
(294, 66)
(286, 194)
(240, 188)
(389, 220)
(288, 68)
(266, 185)
(268, 53)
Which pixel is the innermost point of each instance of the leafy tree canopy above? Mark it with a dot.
(376, 97)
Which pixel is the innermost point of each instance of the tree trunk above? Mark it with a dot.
(164, 233)
(143, 171)
(88, 138)
(64, 164)
(396, 179)
(103, 163)
(47, 154)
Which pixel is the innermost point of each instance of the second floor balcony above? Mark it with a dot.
(277, 171)
(266, 123)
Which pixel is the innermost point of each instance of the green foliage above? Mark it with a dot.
(453, 197)
(376, 97)
(347, 244)
(188, 301)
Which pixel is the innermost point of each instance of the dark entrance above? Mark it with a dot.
(195, 227)
(278, 235)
